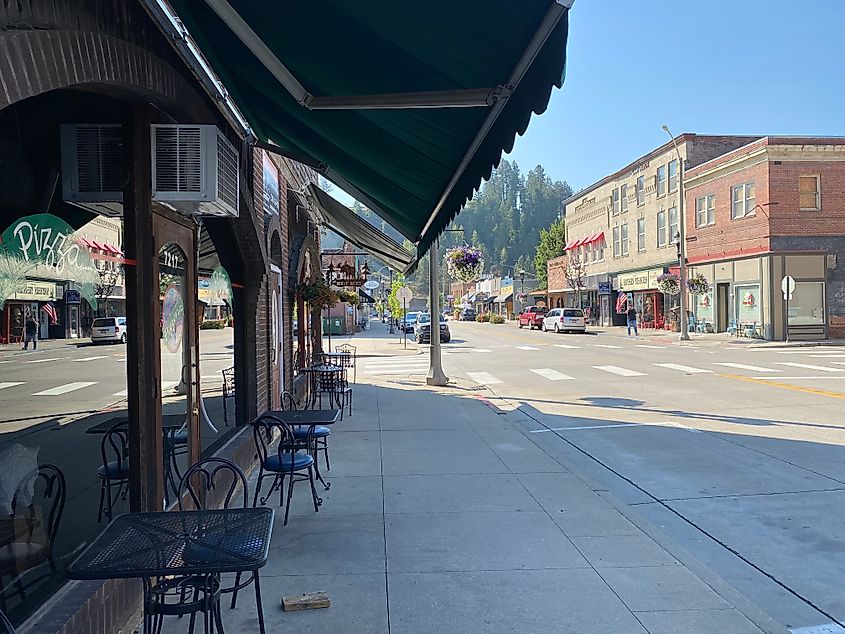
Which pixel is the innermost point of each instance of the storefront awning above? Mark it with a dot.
(405, 105)
(504, 297)
(359, 232)
(366, 298)
(584, 241)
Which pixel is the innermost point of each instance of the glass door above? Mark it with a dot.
(276, 337)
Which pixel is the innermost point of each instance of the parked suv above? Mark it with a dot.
(409, 322)
(532, 317)
(468, 314)
(565, 319)
(108, 329)
(422, 331)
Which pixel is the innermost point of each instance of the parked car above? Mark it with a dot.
(108, 329)
(468, 314)
(410, 322)
(565, 320)
(532, 317)
(422, 332)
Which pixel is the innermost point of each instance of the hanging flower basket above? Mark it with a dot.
(317, 294)
(669, 284)
(698, 284)
(349, 297)
(464, 263)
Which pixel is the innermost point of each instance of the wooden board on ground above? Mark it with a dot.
(305, 601)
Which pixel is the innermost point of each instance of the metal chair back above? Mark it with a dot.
(114, 448)
(289, 402)
(329, 381)
(266, 429)
(209, 476)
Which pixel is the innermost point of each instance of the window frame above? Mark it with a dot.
(818, 180)
(616, 243)
(640, 191)
(614, 201)
(708, 208)
(676, 177)
(677, 224)
(661, 232)
(661, 183)
(623, 238)
(744, 199)
(623, 197)
(641, 230)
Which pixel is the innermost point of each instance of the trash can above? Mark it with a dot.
(333, 325)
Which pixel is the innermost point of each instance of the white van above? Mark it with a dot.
(108, 329)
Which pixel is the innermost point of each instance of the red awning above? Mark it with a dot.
(112, 249)
(596, 237)
(570, 245)
(84, 242)
(97, 245)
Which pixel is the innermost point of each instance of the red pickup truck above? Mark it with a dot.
(532, 317)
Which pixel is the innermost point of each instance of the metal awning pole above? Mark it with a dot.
(436, 376)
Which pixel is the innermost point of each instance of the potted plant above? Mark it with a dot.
(698, 284)
(669, 284)
(317, 294)
(465, 263)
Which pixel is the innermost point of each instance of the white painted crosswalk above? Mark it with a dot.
(526, 348)
(551, 375)
(567, 346)
(743, 366)
(64, 389)
(90, 359)
(7, 384)
(615, 369)
(688, 369)
(607, 345)
(809, 366)
(483, 378)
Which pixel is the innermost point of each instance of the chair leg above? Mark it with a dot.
(290, 495)
(313, 490)
(258, 606)
(108, 486)
(258, 486)
(235, 591)
(102, 499)
(326, 454)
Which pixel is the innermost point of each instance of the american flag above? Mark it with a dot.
(51, 311)
(621, 300)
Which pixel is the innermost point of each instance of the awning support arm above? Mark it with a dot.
(537, 42)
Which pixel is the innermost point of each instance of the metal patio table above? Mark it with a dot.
(322, 369)
(312, 418)
(179, 543)
(168, 421)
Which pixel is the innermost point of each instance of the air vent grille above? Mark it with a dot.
(179, 158)
(227, 173)
(99, 158)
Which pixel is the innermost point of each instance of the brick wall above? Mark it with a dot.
(556, 271)
(262, 322)
(787, 218)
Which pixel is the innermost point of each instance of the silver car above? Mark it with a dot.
(565, 320)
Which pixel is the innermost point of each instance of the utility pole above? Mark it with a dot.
(682, 239)
(435, 371)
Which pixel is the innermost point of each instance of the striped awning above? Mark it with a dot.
(584, 241)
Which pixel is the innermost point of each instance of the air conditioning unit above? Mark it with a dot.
(93, 170)
(194, 170)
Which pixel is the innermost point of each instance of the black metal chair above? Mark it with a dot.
(334, 385)
(6, 625)
(228, 391)
(226, 481)
(286, 461)
(321, 432)
(114, 472)
(34, 530)
(349, 358)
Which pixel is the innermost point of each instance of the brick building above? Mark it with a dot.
(620, 229)
(771, 208)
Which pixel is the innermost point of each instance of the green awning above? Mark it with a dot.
(406, 105)
(359, 232)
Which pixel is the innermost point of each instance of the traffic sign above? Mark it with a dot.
(404, 294)
(787, 285)
(371, 285)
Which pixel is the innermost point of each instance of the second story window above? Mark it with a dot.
(641, 190)
(598, 250)
(742, 200)
(624, 238)
(623, 197)
(640, 234)
(810, 193)
(705, 210)
(673, 175)
(661, 229)
(615, 200)
(674, 231)
(617, 249)
(661, 180)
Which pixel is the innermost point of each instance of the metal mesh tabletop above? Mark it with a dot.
(168, 421)
(139, 545)
(324, 367)
(307, 416)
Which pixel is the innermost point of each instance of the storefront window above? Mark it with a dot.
(806, 307)
(702, 306)
(747, 302)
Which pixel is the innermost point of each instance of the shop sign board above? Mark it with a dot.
(604, 288)
(371, 285)
(37, 291)
(638, 280)
(72, 297)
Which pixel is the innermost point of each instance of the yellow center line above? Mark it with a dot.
(787, 386)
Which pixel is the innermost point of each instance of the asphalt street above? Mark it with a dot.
(735, 452)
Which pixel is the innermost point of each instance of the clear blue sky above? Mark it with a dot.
(705, 66)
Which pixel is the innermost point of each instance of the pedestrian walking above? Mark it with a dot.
(30, 333)
(632, 321)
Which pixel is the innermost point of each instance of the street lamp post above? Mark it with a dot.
(682, 238)
(436, 376)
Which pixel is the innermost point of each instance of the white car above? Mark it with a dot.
(565, 320)
(108, 329)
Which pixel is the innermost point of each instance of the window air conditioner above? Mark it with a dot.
(93, 171)
(194, 170)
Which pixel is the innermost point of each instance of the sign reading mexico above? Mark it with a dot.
(44, 241)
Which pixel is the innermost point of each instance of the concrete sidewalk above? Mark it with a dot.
(445, 516)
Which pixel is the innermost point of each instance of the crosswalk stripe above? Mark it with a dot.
(480, 350)
(643, 345)
(395, 362)
(827, 356)
(813, 350)
(484, 378)
(683, 368)
(44, 360)
(3, 386)
(89, 359)
(527, 348)
(121, 393)
(807, 366)
(615, 369)
(414, 370)
(567, 346)
(607, 345)
(753, 368)
(64, 389)
(551, 375)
